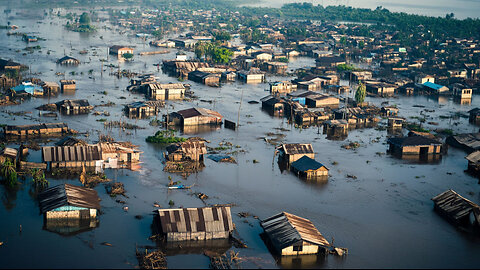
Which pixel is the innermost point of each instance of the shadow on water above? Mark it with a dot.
(70, 227)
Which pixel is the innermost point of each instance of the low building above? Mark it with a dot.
(28, 88)
(389, 111)
(322, 100)
(456, 208)
(312, 82)
(421, 79)
(191, 150)
(273, 105)
(292, 235)
(292, 152)
(67, 85)
(474, 116)
(36, 130)
(68, 60)
(414, 145)
(380, 88)
(9, 65)
(120, 50)
(474, 162)
(462, 92)
(335, 128)
(434, 88)
(467, 141)
(330, 61)
(10, 154)
(166, 91)
(275, 67)
(395, 123)
(361, 75)
(72, 156)
(195, 117)
(74, 106)
(141, 109)
(50, 88)
(196, 224)
(120, 151)
(308, 168)
(204, 77)
(283, 87)
(229, 76)
(68, 202)
(252, 76)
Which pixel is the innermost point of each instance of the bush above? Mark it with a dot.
(164, 137)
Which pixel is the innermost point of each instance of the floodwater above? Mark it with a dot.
(438, 8)
(384, 217)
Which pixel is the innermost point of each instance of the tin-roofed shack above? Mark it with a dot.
(335, 128)
(67, 201)
(309, 168)
(456, 208)
(72, 107)
(168, 91)
(293, 235)
(196, 224)
(194, 117)
(8, 154)
(123, 152)
(294, 151)
(468, 141)
(141, 109)
(414, 145)
(193, 149)
(68, 85)
(474, 116)
(36, 130)
(474, 162)
(72, 156)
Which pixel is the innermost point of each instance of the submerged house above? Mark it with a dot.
(467, 141)
(283, 87)
(28, 88)
(67, 60)
(434, 88)
(74, 106)
(293, 235)
(335, 128)
(67, 201)
(68, 85)
(474, 162)
(414, 145)
(380, 88)
(194, 117)
(254, 75)
(273, 105)
(36, 130)
(72, 156)
(292, 152)
(474, 116)
(456, 208)
(395, 122)
(196, 224)
(120, 151)
(322, 100)
(308, 168)
(204, 77)
(191, 150)
(143, 108)
(120, 50)
(166, 91)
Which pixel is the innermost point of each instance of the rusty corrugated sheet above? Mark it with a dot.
(297, 148)
(206, 219)
(72, 153)
(67, 194)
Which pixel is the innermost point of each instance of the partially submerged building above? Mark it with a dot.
(273, 105)
(335, 128)
(36, 130)
(68, 60)
(292, 152)
(191, 150)
(67, 202)
(380, 88)
(72, 156)
(474, 116)
(322, 100)
(121, 152)
(293, 235)
(474, 162)
(414, 145)
(120, 50)
(74, 106)
(141, 109)
(164, 91)
(196, 224)
(283, 87)
(68, 85)
(309, 168)
(254, 75)
(204, 77)
(28, 88)
(195, 117)
(456, 208)
(467, 141)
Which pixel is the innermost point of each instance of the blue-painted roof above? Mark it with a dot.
(28, 87)
(433, 85)
(305, 163)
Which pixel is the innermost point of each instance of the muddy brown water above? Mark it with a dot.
(384, 217)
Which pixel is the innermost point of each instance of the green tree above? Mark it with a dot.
(8, 173)
(84, 19)
(361, 93)
(127, 55)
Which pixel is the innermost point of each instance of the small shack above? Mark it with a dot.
(292, 152)
(335, 128)
(27, 88)
(196, 224)
(120, 50)
(308, 168)
(474, 116)
(123, 152)
(395, 123)
(166, 91)
(254, 75)
(273, 105)
(195, 117)
(474, 162)
(50, 88)
(74, 106)
(68, 85)
(467, 141)
(293, 235)
(283, 87)
(72, 156)
(67, 201)
(191, 150)
(68, 60)
(321, 100)
(204, 77)
(8, 153)
(456, 208)
(38, 129)
(141, 109)
(414, 145)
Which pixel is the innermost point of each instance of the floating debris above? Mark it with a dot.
(151, 260)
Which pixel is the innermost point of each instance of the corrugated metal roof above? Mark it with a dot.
(474, 157)
(305, 164)
(206, 219)
(297, 148)
(71, 153)
(413, 141)
(454, 205)
(35, 127)
(285, 229)
(66, 194)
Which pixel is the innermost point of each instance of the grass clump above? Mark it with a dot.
(165, 137)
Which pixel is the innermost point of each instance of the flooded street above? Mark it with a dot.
(384, 217)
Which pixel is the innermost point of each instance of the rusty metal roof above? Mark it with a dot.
(206, 219)
(71, 153)
(36, 126)
(454, 205)
(297, 148)
(286, 229)
(192, 112)
(67, 194)
(189, 147)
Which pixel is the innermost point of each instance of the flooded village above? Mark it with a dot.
(203, 134)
